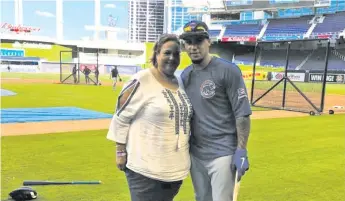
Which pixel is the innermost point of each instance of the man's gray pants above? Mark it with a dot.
(213, 180)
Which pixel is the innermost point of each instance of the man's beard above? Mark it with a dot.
(197, 61)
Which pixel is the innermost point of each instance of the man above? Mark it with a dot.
(87, 72)
(113, 74)
(221, 121)
(74, 73)
(97, 75)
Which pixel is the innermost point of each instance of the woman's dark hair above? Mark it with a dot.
(158, 46)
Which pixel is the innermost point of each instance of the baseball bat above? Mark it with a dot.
(39, 182)
(236, 188)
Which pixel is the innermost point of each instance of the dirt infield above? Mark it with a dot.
(295, 100)
(48, 81)
(12, 129)
(98, 124)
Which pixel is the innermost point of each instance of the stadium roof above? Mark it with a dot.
(235, 6)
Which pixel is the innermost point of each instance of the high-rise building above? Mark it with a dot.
(177, 15)
(146, 20)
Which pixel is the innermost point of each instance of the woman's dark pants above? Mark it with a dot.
(145, 189)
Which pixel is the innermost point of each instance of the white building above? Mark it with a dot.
(178, 15)
(146, 20)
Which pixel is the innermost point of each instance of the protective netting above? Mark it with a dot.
(288, 66)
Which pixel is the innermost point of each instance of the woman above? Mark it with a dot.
(151, 127)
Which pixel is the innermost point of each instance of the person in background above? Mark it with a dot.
(151, 127)
(97, 75)
(221, 121)
(113, 75)
(87, 72)
(74, 73)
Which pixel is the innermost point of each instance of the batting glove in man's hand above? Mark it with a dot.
(240, 162)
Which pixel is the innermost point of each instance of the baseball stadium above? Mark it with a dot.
(57, 96)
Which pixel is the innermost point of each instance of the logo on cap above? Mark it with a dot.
(200, 28)
(194, 27)
(187, 29)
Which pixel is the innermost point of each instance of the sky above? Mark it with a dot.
(76, 14)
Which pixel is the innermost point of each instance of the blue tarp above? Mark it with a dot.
(21, 115)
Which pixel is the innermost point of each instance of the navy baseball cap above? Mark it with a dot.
(195, 29)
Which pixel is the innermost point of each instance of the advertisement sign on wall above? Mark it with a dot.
(92, 67)
(18, 28)
(318, 77)
(282, 37)
(18, 44)
(12, 52)
(239, 38)
(248, 75)
(296, 77)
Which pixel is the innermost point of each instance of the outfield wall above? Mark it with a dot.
(54, 67)
(337, 77)
(21, 68)
(46, 51)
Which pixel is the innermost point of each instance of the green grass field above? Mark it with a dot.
(47, 95)
(338, 89)
(292, 159)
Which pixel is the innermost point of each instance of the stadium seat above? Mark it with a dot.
(288, 26)
(242, 30)
(245, 58)
(214, 33)
(317, 61)
(341, 51)
(332, 23)
(278, 57)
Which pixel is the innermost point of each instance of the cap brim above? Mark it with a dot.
(187, 35)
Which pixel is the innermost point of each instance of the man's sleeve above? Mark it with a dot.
(237, 92)
(185, 75)
(129, 103)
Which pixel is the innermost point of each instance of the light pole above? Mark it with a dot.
(59, 19)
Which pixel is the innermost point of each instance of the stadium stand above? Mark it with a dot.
(243, 30)
(277, 58)
(288, 26)
(214, 33)
(316, 61)
(249, 57)
(341, 51)
(306, 59)
(332, 23)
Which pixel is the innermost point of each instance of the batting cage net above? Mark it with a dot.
(74, 70)
(68, 67)
(287, 66)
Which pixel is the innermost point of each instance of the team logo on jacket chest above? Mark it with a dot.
(208, 89)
